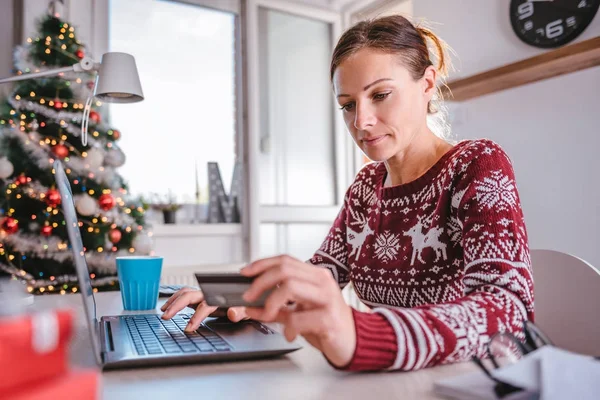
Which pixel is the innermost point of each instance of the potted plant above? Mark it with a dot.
(168, 205)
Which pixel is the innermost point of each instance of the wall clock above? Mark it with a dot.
(551, 23)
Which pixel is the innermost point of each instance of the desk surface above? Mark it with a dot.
(303, 374)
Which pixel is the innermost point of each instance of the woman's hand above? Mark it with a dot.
(319, 313)
(188, 297)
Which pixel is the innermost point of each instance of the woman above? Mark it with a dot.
(431, 234)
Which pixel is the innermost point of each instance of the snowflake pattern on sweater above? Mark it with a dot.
(443, 261)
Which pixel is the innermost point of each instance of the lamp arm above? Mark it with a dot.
(86, 64)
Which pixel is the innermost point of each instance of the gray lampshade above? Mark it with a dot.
(118, 80)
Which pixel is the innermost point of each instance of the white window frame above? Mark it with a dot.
(99, 45)
(254, 212)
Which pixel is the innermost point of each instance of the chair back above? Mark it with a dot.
(567, 300)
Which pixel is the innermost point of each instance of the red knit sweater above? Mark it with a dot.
(443, 261)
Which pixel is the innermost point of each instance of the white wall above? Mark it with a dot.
(549, 128)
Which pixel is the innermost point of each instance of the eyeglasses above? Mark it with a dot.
(504, 348)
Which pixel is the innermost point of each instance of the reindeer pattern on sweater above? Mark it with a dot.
(443, 260)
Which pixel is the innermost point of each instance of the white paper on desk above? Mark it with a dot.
(555, 374)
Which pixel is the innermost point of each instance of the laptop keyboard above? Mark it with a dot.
(153, 335)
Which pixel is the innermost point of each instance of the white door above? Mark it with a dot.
(298, 163)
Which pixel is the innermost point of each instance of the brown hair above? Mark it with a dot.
(396, 35)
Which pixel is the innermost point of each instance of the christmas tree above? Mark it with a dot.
(39, 123)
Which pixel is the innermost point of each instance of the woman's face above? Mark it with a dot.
(383, 106)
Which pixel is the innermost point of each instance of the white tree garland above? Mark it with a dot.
(46, 111)
(113, 215)
(59, 281)
(23, 62)
(37, 153)
(73, 116)
(30, 142)
(118, 218)
(58, 251)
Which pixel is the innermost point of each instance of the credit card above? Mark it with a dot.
(227, 289)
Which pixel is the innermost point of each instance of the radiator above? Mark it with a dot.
(185, 275)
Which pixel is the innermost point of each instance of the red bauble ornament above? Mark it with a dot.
(52, 197)
(106, 202)
(10, 225)
(114, 235)
(58, 104)
(46, 230)
(116, 134)
(60, 150)
(79, 54)
(94, 117)
(21, 180)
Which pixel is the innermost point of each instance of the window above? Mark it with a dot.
(186, 58)
(297, 156)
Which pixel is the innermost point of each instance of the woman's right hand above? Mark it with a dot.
(188, 297)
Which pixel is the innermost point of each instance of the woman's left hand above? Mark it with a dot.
(320, 314)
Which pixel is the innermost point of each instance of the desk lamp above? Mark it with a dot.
(117, 81)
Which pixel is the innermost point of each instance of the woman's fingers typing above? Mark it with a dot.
(186, 297)
(236, 314)
(180, 302)
(200, 315)
(174, 297)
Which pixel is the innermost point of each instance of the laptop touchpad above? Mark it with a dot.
(237, 328)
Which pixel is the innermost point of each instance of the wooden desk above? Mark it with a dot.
(303, 374)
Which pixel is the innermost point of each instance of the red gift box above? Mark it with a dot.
(33, 348)
(79, 385)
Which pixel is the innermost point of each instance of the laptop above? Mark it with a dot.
(140, 340)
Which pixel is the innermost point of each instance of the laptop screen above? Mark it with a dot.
(83, 274)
